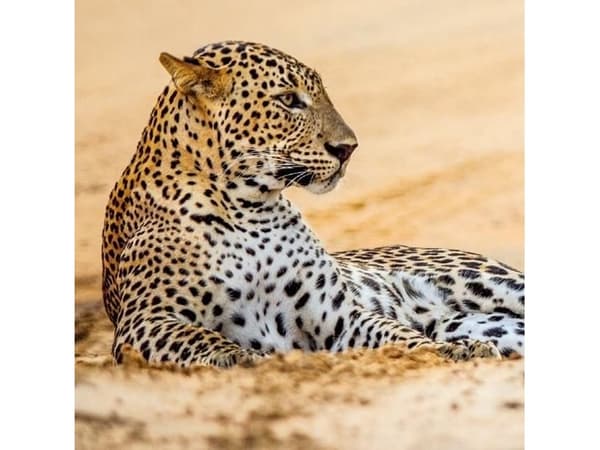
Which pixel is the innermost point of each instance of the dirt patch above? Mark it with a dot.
(359, 399)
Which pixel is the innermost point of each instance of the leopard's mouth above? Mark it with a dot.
(295, 174)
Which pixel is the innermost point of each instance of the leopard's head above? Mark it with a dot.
(272, 123)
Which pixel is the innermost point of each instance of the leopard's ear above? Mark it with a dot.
(190, 77)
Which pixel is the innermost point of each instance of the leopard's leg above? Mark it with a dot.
(371, 330)
(423, 304)
(164, 339)
(505, 331)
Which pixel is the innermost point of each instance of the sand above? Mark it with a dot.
(434, 92)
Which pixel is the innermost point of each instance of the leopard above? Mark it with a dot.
(205, 262)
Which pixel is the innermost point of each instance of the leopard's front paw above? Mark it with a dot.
(465, 349)
(237, 356)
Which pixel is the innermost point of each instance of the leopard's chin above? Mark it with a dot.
(327, 185)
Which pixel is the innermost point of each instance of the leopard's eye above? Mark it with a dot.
(291, 100)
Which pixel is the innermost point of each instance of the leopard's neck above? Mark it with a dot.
(181, 155)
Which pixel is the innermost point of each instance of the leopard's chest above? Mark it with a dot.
(269, 287)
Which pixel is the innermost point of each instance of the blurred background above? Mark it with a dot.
(434, 92)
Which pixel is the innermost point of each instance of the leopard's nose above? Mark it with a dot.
(340, 151)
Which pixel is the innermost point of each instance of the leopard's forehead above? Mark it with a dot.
(262, 62)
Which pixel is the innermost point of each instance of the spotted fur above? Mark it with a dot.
(205, 262)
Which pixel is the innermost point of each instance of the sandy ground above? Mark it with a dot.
(434, 92)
